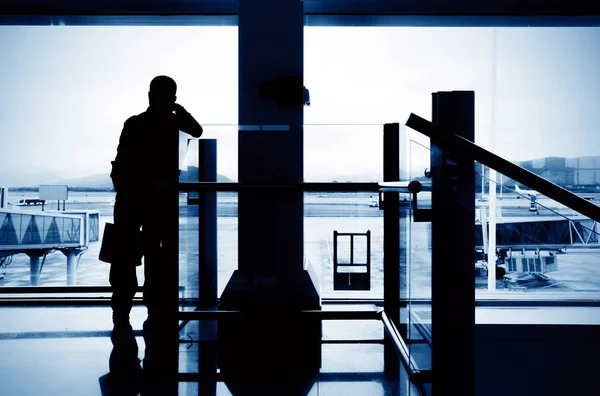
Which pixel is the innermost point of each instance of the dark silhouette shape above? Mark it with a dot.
(125, 375)
(145, 157)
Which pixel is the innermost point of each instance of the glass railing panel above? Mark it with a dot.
(227, 238)
(346, 213)
(340, 153)
(226, 136)
(227, 152)
(543, 249)
(25, 222)
(418, 318)
(419, 266)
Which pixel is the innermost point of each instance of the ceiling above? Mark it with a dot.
(319, 12)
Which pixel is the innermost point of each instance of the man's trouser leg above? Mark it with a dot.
(122, 276)
(124, 283)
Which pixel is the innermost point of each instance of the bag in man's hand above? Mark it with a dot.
(118, 243)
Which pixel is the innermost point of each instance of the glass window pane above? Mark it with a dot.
(67, 91)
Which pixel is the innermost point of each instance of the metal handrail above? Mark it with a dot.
(446, 139)
(416, 376)
(308, 314)
(406, 186)
(306, 187)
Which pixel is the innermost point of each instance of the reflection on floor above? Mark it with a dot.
(65, 351)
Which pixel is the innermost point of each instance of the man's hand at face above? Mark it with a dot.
(186, 122)
(178, 109)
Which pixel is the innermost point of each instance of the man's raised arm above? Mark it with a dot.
(187, 123)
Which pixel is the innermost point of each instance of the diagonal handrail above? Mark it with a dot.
(445, 138)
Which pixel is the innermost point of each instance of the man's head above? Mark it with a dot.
(162, 93)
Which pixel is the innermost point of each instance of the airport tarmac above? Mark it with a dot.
(579, 269)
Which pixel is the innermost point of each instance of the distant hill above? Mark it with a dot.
(357, 177)
(191, 175)
(18, 179)
(572, 173)
(99, 181)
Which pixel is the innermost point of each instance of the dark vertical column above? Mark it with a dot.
(404, 220)
(453, 279)
(391, 241)
(207, 267)
(162, 335)
(207, 224)
(270, 277)
(271, 47)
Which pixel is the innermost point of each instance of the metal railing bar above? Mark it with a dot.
(102, 300)
(77, 302)
(37, 335)
(547, 246)
(74, 302)
(417, 376)
(366, 341)
(58, 289)
(406, 187)
(322, 377)
(309, 314)
(305, 187)
(447, 139)
(500, 302)
(369, 341)
(422, 329)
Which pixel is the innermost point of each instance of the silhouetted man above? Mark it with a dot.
(145, 157)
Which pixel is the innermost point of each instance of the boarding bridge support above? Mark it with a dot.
(36, 262)
(72, 259)
(452, 240)
(35, 267)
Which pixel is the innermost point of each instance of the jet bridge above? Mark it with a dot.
(38, 234)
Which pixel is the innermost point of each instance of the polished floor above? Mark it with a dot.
(65, 351)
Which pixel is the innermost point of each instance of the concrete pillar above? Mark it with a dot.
(271, 34)
(35, 267)
(71, 255)
(270, 275)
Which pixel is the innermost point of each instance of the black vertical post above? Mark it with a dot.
(404, 218)
(207, 224)
(391, 242)
(207, 267)
(351, 249)
(453, 279)
(164, 345)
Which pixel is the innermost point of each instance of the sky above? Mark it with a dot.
(66, 90)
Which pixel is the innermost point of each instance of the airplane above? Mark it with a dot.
(532, 193)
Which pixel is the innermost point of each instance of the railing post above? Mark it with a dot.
(207, 267)
(453, 279)
(207, 224)
(391, 241)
